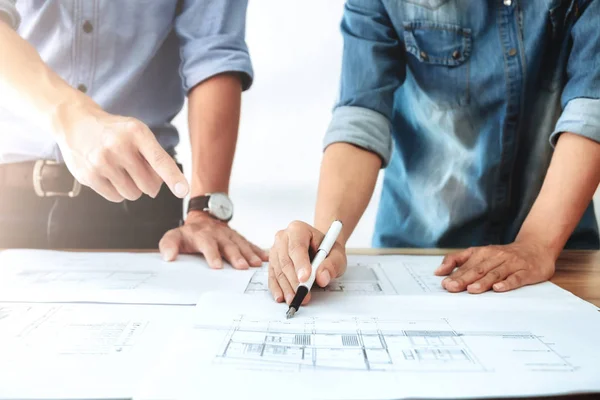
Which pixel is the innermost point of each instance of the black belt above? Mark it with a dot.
(45, 178)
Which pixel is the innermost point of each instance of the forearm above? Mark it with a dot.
(28, 87)
(214, 115)
(348, 178)
(570, 184)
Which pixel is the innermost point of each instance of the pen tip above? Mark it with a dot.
(290, 313)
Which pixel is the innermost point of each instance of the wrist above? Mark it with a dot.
(540, 239)
(69, 112)
(200, 216)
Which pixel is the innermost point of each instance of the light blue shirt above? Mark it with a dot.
(135, 58)
(462, 100)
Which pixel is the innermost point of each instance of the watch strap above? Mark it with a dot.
(199, 203)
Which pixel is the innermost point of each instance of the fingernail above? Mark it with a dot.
(168, 255)
(289, 298)
(217, 265)
(498, 286)
(302, 274)
(326, 277)
(181, 189)
(278, 299)
(475, 286)
(256, 260)
(242, 264)
(453, 285)
(440, 268)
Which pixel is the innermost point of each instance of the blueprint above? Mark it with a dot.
(441, 348)
(73, 350)
(399, 275)
(361, 278)
(141, 278)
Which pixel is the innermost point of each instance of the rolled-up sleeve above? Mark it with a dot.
(9, 14)
(373, 67)
(212, 36)
(581, 93)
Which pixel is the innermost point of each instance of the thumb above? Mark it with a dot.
(169, 245)
(328, 270)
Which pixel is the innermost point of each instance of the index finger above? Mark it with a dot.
(298, 250)
(453, 260)
(164, 165)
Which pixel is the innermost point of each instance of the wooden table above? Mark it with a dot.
(577, 271)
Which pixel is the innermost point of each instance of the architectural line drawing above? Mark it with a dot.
(373, 344)
(359, 279)
(79, 279)
(425, 279)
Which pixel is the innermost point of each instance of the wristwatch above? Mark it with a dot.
(217, 205)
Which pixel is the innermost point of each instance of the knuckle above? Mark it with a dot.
(495, 274)
(286, 264)
(160, 156)
(295, 225)
(279, 275)
(230, 248)
(479, 270)
(99, 158)
(114, 142)
(135, 126)
(517, 279)
(281, 235)
(297, 249)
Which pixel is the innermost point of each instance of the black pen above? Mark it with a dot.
(324, 249)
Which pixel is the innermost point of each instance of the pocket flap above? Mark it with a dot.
(436, 43)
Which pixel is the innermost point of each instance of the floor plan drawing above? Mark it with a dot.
(360, 279)
(381, 345)
(105, 279)
(425, 279)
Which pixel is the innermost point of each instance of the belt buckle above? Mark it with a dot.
(37, 182)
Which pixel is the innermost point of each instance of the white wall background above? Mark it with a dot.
(296, 51)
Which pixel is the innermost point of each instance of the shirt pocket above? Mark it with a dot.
(438, 60)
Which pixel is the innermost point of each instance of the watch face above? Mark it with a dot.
(220, 206)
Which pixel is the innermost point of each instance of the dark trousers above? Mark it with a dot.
(85, 222)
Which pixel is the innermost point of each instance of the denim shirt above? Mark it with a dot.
(136, 58)
(463, 101)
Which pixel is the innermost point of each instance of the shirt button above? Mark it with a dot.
(456, 54)
(82, 88)
(512, 52)
(424, 56)
(88, 27)
(507, 2)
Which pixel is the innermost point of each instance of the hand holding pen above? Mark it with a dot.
(322, 252)
(290, 261)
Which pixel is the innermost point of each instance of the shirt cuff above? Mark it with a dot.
(9, 14)
(361, 127)
(212, 56)
(581, 116)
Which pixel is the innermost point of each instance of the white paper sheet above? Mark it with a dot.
(362, 278)
(141, 278)
(73, 351)
(380, 348)
(401, 275)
